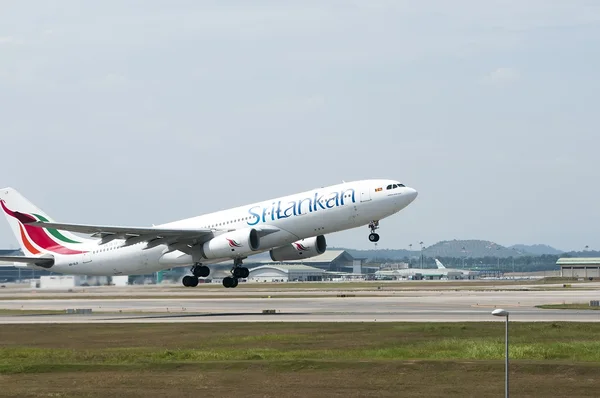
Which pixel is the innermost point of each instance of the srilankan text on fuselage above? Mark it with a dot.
(285, 209)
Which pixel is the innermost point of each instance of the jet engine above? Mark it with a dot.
(242, 242)
(304, 248)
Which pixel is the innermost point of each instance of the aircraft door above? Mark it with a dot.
(86, 258)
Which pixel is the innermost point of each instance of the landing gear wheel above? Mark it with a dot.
(241, 272)
(200, 271)
(228, 281)
(373, 226)
(190, 281)
(374, 237)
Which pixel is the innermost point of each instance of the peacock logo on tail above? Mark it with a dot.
(38, 240)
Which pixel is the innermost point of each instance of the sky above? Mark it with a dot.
(144, 112)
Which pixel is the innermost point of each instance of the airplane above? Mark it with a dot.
(289, 227)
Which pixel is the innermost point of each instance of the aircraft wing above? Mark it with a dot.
(41, 261)
(100, 230)
(177, 238)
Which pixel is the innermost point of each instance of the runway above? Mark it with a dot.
(402, 306)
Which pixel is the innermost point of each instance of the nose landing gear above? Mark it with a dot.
(373, 226)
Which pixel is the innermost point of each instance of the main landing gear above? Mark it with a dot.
(236, 272)
(373, 225)
(198, 271)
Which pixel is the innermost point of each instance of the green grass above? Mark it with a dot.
(157, 345)
(30, 312)
(572, 306)
(310, 379)
(16, 360)
(298, 359)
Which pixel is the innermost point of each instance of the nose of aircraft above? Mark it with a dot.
(411, 193)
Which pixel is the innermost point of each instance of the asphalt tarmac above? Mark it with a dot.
(398, 306)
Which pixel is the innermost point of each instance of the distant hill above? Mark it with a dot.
(536, 250)
(450, 248)
(470, 248)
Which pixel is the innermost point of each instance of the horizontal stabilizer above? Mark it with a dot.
(44, 262)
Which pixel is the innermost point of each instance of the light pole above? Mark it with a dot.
(421, 243)
(504, 313)
(498, 258)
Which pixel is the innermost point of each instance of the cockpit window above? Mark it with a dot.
(394, 186)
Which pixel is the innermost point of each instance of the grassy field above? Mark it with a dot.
(297, 360)
(29, 312)
(572, 306)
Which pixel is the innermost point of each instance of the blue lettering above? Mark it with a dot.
(279, 215)
(333, 201)
(343, 194)
(292, 205)
(255, 215)
(300, 205)
(264, 214)
(319, 201)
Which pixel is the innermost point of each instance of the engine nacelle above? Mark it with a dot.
(241, 242)
(304, 248)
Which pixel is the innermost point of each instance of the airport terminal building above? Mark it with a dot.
(331, 260)
(579, 267)
(285, 273)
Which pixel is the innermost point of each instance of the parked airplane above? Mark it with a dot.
(290, 227)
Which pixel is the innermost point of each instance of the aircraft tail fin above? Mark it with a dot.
(439, 264)
(35, 241)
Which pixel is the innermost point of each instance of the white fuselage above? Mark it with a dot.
(294, 217)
